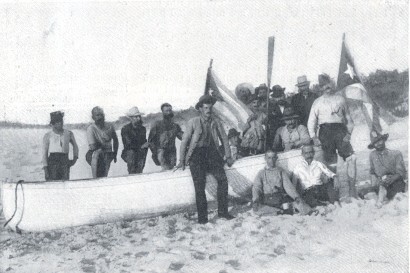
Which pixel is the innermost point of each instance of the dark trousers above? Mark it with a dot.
(325, 192)
(394, 188)
(331, 137)
(58, 166)
(135, 160)
(207, 160)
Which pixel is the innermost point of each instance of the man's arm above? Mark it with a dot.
(288, 186)
(186, 138)
(75, 148)
(180, 133)
(348, 118)
(326, 170)
(313, 119)
(92, 142)
(152, 136)
(400, 166)
(257, 188)
(225, 141)
(303, 135)
(277, 141)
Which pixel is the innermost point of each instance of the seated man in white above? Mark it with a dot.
(314, 181)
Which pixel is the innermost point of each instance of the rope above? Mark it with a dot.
(20, 182)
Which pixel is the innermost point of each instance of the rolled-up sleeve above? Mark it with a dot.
(257, 188)
(312, 121)
(91, 138)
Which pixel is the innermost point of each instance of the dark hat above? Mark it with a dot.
(278, 91)
(56, 116)
(205, 99)
(232, 132)
(262, 86)
(166, 104)
(375, 137)
(324, 79)
(289, 113)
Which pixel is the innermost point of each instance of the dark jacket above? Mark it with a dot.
(193, 133)
(302, 106)
(275, 122)
(133, 138)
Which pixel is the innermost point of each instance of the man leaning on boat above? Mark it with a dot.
(100, 135)
(56, 148)
(199, 149)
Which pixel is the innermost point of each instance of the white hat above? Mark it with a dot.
(133, 112)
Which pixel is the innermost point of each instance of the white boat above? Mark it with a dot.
(42, 206)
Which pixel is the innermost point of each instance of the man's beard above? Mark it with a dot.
(168, 116)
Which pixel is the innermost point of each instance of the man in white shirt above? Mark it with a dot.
(331, 125)
(56, 163)
(313, 179)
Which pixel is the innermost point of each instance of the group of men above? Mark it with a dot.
(206, 147)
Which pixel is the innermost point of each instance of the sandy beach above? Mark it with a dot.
(356, 237)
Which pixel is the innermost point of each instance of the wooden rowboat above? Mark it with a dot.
(42, 206)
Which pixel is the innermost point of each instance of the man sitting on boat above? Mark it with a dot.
(199, 149)
(234, 144)
(254, 132)
(387, 169)
(330, 115)
(291, 136)
(162, 138)
(314, 181)
(276, 109)
(273, 191)
(56, 163)
(99, 136)
(134, 139)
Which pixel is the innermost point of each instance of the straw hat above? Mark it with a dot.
(302, 81)
(133, 112)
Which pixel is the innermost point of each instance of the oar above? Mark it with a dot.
(271, 46)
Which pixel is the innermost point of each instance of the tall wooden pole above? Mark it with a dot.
(271, 46)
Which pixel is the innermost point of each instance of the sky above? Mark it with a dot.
(74, 56)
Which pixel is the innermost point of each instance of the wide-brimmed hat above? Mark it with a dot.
(205, 99)
(289, 113)
(133, 112)
(375, 137)
(232, 132)
(278, 91)
(302, 81)
(56, 116)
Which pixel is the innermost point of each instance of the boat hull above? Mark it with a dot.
(43, 206)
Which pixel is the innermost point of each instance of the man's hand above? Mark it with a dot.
(46, 173)
(391, 178)
(145, 145)
(316, 141)
(181, 166)
(347, 137)
(229, 161)
(72, 162)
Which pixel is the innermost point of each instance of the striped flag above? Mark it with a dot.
(228, 107)
(349, 82)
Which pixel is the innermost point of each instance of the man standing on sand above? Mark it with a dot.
(387, 169)
(330, 115)
(303, 101)
(313, 180)
(162, 138)
(272, 189)
(99, 136)
(56, 149)
(134, 140)
(199, 149)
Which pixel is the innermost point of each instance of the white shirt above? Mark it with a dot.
(326, 109)
(310, 175)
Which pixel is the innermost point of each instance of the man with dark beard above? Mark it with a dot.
(99, 136)
(134, 138)
(162, 139)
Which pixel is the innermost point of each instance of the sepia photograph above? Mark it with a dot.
(204, 136)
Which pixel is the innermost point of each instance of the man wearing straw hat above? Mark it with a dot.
(100, 136)
(199, 149)
(56, 148)
(387, 168)
(303, 101)
(292, 135)
(134, 139)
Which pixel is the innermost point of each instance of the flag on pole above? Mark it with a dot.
(351, 86)
(228, 107)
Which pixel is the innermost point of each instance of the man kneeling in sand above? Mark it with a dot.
(272, 190)
(313, 180)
